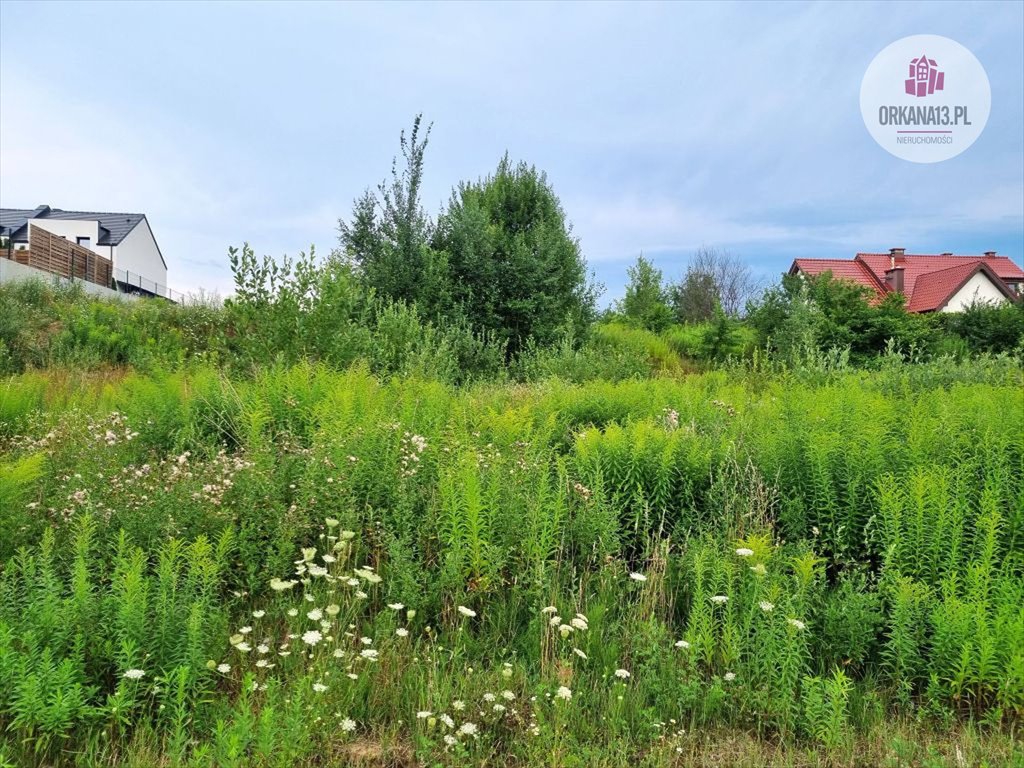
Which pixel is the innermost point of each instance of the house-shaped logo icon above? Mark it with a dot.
(925, 77)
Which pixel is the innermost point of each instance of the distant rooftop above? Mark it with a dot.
(114, 227)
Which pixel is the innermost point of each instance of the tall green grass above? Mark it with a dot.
(595, 571)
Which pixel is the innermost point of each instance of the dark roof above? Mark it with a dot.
(114, 227)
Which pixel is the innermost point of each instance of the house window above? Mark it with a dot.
(85, 242)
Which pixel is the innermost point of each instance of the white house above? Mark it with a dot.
(124, 238)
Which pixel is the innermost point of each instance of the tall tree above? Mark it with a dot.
(646, 300)
(714, 278)
(516, 270)
(388, 235)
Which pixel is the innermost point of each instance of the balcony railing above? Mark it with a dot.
(131, 282)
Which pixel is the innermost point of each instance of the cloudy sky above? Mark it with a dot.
(661, 127)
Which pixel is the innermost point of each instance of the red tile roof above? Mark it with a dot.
(844, 269)
(929, 281)
(915, 265)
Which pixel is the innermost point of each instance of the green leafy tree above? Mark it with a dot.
(387, 237)
(646, 301)
(695, 298)
(516, 271)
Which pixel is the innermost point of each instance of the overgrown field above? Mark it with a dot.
(320, 568)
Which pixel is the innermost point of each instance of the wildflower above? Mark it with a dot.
(410, 614)
(506, 672)
(308, 553)
(243, 647)
(352, 676)
(317, 571)
(450, 740)
(447, 720)
(682, 644)
(508, 695)
(637, 577)
(797, 623)
(280, 586)
(580, 653)
(333, 609)
(402, 632)
(766, 606)
(580, 624)
(759, 569)
(319, 687)
(293, 611)
(720, 599)
(312, 637)
(563, 693)
(264, 664)
(729, 677)
(329, 559)
(499, 708)
(332, 522)
(347, 535)
(352, 582)
(468, 729)
(622, 674)
(395, 606)
(565, 629)
(338, 653)
(368, 575)
(466, 611)
(458, 705)
(347, 725)
(223, 668)
(489, 697)
(360, 595)
(315, 615)
(369, 654)
(134, 674)
(554, 621)
(258, 614)
(424, 715)
(245, 630)
(744, 552)
(549, 609)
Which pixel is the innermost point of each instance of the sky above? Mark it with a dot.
(661, 127)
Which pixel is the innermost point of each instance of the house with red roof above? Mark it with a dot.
(930, 282)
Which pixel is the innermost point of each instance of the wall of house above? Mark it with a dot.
(71, 230)
(138, 253)
(979, 288)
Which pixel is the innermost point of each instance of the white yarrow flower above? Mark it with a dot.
(466, 611)
(312, 637)
(720, 599)
(223, 668)
(563, 693)
(637, 577)
(135, 674)
(348, 725)
(744, 552)
(622, 674)
(766, 606)
(797, 623)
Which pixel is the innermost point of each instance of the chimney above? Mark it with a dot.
(894, 278)
(990, 254)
